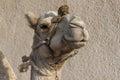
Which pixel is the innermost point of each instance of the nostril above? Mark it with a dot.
(83, 40)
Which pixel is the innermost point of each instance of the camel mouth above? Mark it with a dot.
(75, 43)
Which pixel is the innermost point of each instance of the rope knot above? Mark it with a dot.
(63, 10)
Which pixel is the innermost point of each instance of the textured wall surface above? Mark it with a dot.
(98, 60)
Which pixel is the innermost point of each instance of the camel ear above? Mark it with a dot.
(32, 19)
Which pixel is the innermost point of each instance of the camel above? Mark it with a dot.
(56, 37)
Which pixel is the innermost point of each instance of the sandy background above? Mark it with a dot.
(98, 60)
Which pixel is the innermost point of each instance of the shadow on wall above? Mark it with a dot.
(3, 69)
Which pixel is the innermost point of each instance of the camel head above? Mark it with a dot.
(73, 28)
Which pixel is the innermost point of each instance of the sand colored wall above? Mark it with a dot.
(98, 60)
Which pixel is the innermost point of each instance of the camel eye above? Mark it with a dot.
(44, 26)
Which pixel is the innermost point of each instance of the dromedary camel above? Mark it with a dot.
(57, 35)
